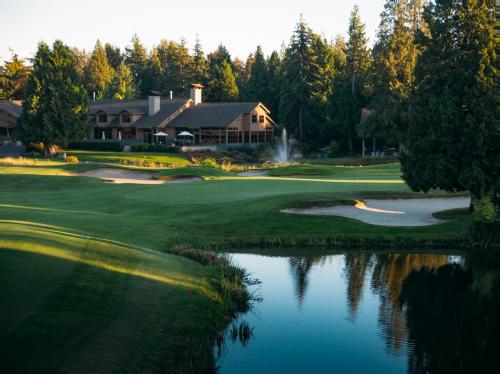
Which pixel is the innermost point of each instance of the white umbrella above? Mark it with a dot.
(160, 134)
(185, 133)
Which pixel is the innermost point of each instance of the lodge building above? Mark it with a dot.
(232, 123)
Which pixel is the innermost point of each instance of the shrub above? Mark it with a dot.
(210, 163)
(97, 146)
(35, 147)
(484, 210)
(157, 148)
(72, 159)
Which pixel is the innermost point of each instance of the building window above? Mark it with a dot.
(108, 134)
(261, 119)
(102, 117)
(126, 117)
(254, 118)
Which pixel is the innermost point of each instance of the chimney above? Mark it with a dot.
(195, 94)
(154, 102)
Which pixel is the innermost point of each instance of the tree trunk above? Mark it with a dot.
(363, 148)
(349, 140)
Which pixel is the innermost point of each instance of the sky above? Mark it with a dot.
(239, 25)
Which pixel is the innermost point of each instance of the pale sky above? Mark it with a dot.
(239, 25)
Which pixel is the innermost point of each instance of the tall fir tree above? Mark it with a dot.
(453, 141)
(56, 105)
(394, 58)
(241, 73)
(273, 92)
(200, 68)
(350, 85)
(98, 72)
(258, 80)
(221, 85)
(114, 55)
(298, 110)
(136, 57)
(177, 66)
(14, 77)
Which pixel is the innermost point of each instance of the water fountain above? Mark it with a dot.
(283, 149)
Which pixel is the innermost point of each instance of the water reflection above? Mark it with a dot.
(420, 313)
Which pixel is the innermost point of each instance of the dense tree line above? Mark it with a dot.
(428, 83)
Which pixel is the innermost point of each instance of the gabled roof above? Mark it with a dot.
(167, 108)
(11, 107)
(212, 115)
(131, 106)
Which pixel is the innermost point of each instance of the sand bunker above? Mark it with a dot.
(121, 176)
(253, 173)
(397, 212)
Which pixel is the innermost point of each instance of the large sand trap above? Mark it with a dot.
(397, 212)
(121, 176)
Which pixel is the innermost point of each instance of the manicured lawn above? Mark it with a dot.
(72, 303)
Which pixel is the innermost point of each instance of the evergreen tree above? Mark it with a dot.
(299, 80)
(241, 73)
(136, 57)
(453, 142)
(350, 85)
(14, 76)
(122, 86)
(200, 69)
(221, 84)
(114, 55)
(177, 66)
(272, 94)
(395, 55)
(98, 72)
(307, 69)
(258, 80)
(56, 105)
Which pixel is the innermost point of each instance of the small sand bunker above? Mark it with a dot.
(396, 212)
(254, 173)
(121, 176)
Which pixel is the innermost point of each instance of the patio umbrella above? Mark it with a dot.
(185, 133)
(160, 134)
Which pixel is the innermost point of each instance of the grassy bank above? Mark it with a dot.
(73, 303)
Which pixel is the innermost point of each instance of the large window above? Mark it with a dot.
(108, 134)
(233, 137)
(102, 117)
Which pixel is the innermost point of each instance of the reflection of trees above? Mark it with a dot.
(388, 272)
(453, 320)
(388, 275)
(300, 268)
(355, 268)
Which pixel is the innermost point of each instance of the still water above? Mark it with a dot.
(366, 313)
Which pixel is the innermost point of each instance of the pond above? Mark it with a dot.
(366, 313)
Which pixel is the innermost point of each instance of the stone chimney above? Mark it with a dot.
(195, 94)
(154, 103)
